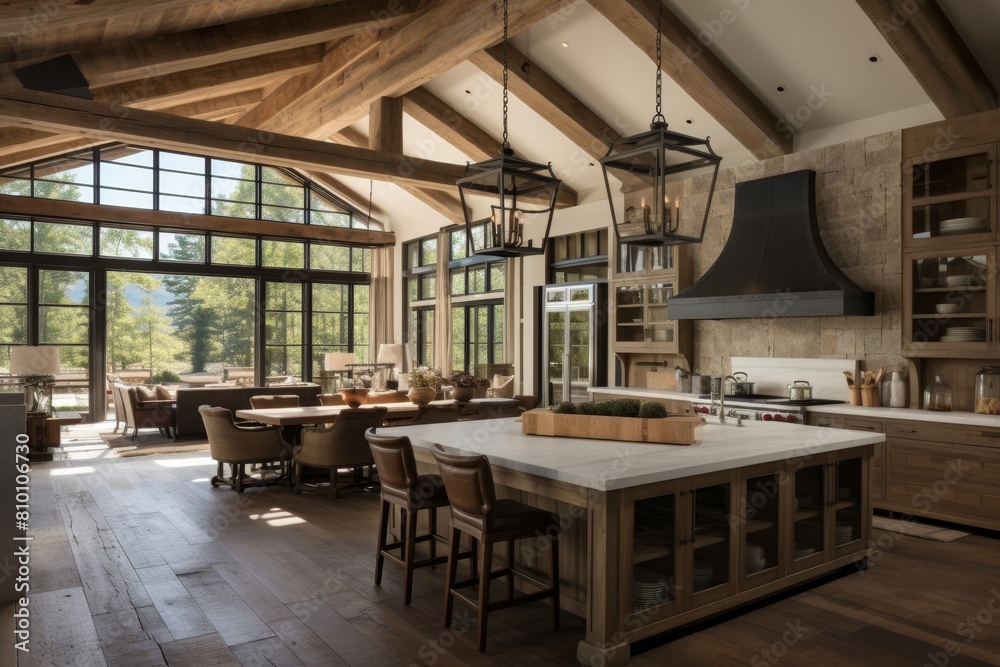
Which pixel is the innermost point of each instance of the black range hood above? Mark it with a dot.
(774, 263)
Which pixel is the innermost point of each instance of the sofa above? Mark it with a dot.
(189, 423)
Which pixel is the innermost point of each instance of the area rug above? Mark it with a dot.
(151, 443)
(924, 531)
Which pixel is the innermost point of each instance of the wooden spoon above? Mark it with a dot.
(850, 378)
(879, 373)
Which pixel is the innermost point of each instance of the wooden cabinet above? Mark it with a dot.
(944, 472)
(645, 278)
(873, 426)
(949, 197)
(950, 237)
(698, 542)
(682, 548)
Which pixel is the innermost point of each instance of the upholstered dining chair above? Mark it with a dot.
(240, 445)
(411, 492)
(502, 386)
(341, 445)
(440, 414)
(476, 511)
(267, 401)
(116, 398)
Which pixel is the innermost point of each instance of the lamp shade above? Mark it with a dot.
(390, 353)
(34, 360)
(652, 169)
(337, 361)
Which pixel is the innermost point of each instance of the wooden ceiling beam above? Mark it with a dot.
(25, 16)
(220, 106)
(702, 75)
(140, 216)
(59, 113)
(937, 57)
(285, 98)
(447, 204)
(189, 85)
(385, 125)
(20, 155)
(410, 57)
(433, 113)
(162, 54)
(545, 96)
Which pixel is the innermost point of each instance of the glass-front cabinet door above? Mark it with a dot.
(655, 550)
(630, 315)
(760, 521)
(711, 542)
(809, 526)
(951, 301)
(848, 509)
(949, 198)
(642, 320)
(556, 344)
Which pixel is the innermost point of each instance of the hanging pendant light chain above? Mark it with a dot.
(659, 66)
(505, 143)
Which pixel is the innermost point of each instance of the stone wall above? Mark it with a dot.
(858, 194)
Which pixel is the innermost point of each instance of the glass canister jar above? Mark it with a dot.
(937, 395)
(988, 390)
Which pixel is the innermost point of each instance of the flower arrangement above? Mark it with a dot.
(422, 376)
(463, 379)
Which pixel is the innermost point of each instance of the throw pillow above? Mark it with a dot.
(162, 393)
(503, 386)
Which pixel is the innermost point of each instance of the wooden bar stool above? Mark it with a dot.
(402, 486)
(476, 511)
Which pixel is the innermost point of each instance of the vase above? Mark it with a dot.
(421, 395)
(463, 394)
(354, 397)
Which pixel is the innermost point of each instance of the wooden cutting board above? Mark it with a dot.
(667, 431)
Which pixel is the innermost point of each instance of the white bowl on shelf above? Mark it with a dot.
(946, 308)
(755, 565)
(754, 551)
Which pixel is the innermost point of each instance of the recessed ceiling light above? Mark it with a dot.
(781, 89)
(565, 45)
(874, 58)
(468, 92)
(689, 121)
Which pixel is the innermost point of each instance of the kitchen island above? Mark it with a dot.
(659, 536)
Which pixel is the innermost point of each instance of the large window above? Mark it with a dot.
(477, 337)
(579, 257)
(160, 180)
(178, 301)
(420, 290)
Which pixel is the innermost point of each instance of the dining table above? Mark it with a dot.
(323, 414)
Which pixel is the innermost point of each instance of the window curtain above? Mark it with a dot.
(510, 310)
(381, 308)
(442, 308)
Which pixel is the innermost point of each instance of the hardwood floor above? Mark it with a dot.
(139, 561)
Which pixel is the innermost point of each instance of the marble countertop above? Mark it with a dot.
(606, 465)
(913, 414)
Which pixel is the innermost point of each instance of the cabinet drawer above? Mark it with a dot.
(946, 433)
(828, 420)
(943, 478)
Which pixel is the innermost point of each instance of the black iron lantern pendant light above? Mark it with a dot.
(650, 170)
(523, 192)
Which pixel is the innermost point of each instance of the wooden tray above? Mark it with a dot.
(667, 431)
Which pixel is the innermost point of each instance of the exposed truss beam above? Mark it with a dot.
(409, 58)
(58, 113)
(189, 85)
(138, 216)
(446, 204)
(433, 113)
(702, 75)
(20, 16)
(930, 47)
(61, 144)
(353, 197)
(543, 94)
(218, 106)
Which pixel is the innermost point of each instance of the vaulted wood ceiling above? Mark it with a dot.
(289, 81)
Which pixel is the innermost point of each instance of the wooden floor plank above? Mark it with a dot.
(233, 619)
(305, 644)
(204, 651)
(179, 611)
(338, 633)
(62, 630)
(109, 580)
(267, 607)
(125, 642)
(266, 652)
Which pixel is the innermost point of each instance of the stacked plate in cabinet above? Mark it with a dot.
(962, 225)
(808, 534)
(964, 335)
(844, 532)
(649, 589)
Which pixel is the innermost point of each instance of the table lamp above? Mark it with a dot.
(391, 353)
(39, 364)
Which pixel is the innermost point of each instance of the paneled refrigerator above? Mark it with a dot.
(574, 340)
